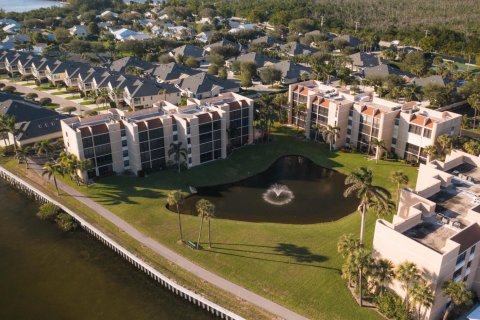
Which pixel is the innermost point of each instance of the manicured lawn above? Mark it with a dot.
(58, 93)
(45, 88)
(86, 103)
(294, 265)
(51, 105)
(73, 97)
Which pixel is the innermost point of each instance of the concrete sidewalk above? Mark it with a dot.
(174, 257)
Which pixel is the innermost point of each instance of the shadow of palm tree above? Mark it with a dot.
(300, 254)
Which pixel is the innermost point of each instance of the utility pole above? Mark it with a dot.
(356, 26)
(321, 23)
(426, 33)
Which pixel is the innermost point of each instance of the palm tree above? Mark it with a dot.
(361, 260)
(400, 179)
(22, 154)
(379, 146)
(318, 129)
(206, 211)
(331, 134)
(178, 153)
(474, 102)
(176, 198)
(458, 294)
(407, 273)
(83, 166)
(446, 142)
(10, 127)
(382, 274)
(371, 197)
(430, 152)
(51, 169)
(347, 244)
(45, 147)
(422, 296)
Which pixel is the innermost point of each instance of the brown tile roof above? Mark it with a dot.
(304, 92)
(235, 105)
(154, 123)
(203, 117)
(99, 129)
(422, 121)
(85, 132)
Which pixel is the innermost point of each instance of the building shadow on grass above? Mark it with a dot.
(113, 195)
(302, 256)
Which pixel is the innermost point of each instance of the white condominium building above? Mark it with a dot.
(138, 141)
(406, 128)
(437, 227)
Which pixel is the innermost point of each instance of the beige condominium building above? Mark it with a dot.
(138, 142)
(406, 128)
(437, 226)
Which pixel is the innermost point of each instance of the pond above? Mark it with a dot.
(293, 190)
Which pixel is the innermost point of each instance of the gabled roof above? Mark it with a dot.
(144, 88)
(294, 49)
(171, 71)
(362, 59)
(267, 40)
(204, 82)
(352, 41)
(121, 65)
(421, 120)
(24, 110)
(291, 70)
(436, 80)
(189, 50)
(223, 43)
(384, 70)
(259, 59)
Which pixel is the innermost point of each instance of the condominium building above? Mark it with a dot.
(138, 141)
(406, 128)
(437, 227)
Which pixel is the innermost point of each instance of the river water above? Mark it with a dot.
(47, 274)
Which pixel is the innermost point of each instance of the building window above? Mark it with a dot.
(349, 122)
(427, 133)
(457, 273)
(350, 112)
(124, 143)
(126, 163)
(472, 250)
(397, 121)
(394, 140)
(349, 131)
(415, 129)
(461, 257)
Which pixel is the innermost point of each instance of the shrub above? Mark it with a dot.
(72, 89)
(392, 306)
(65, 222)
(59, 86)
(69, 109)
(91, 113)
(45, 101)
(9, 89)
(48, 211)
(31, 95)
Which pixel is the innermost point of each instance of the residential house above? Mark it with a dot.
(188, 50)
(80, 31)
(260, 60)
(223, 43)
(362, 60)
(204, 36)
(121, 65)
(291, 72)
(293, 48)
(203, 85)
(383, 71)
(171, 72)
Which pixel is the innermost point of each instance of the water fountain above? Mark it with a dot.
(278, 194)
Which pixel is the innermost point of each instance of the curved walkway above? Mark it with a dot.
(176, 258)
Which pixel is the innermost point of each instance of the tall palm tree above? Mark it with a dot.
(318, 129)
(51, 169)
(400, 179)
(379, 146)
(474, 102)
(458, 294)
(371, 196)
(10, 127)
(178, 152)
(176, 198)
(430, 152)
(331, 134)
(206, 211)
(407, 273)
(362, 260)
(45, 147)
(83, 166)
(422, 296)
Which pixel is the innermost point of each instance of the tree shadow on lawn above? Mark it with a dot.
(301, 255)
(121, 194)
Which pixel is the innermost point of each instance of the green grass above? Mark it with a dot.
(305, 278)
(88, 102)
(73, 97)
(58, 93)
(51, 105)
(45, 88)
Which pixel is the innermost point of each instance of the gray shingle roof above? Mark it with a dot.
(172, 71)
(259, 59)
(362, 59)
(295, 49)
(382, 71)
(121, 65)
(204, 82)
(189, 50)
